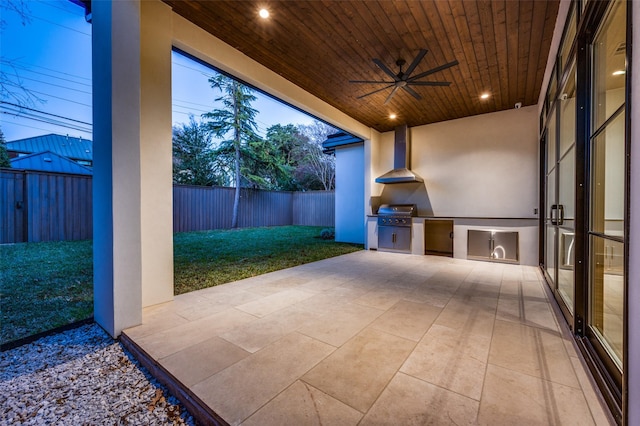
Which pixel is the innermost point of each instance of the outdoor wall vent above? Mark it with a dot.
(401, 172)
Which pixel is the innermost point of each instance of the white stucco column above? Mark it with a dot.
(156, 153)
(132, 161)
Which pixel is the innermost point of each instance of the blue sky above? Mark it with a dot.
(51, 56)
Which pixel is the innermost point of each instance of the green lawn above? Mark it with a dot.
(205, 259)
(43, 286)
(46, 285)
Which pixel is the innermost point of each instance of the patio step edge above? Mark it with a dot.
(201, 412)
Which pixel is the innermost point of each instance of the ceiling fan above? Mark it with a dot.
(403, 79)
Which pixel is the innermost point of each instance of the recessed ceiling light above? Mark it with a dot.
(484, 96)
(619, 72)
(264, 13)
(392, 116)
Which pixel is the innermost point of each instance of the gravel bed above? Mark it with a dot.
(82, 377)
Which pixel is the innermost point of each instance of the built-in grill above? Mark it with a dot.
(394, 227)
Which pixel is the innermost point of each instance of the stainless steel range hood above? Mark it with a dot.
(401, 160)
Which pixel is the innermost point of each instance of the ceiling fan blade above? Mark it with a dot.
(415, 62)
(412, 92)
(371, 81)
(384, 68)
(375, 91)
(430, 83)
(393, 92)
(434, 70)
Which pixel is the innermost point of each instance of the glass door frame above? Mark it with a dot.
(547, 220)
(603, 367)
(589, 20)
(567, 61)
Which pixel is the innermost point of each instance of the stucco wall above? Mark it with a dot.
(480, 166)
(350, 210)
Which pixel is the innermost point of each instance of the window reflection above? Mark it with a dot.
(606, 242)
(607, 295)
(568, 39)
(551, 141)
(550, 252)
(566, 261)
(608, 180)
(567, 106)
(609, 61)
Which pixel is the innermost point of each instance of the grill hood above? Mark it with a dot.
(401, 160)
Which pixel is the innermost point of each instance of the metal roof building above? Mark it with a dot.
(80, 150)
(49, 162)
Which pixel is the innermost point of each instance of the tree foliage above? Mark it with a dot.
(286, 142)
(193, 156)
(288, 158)
(299, 148)
(4, 156)
(235, 124)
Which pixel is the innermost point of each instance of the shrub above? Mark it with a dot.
(328, 234)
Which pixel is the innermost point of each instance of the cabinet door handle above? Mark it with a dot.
(554, 214)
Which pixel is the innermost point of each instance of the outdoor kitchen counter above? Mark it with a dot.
(466, 217)
(527, 228)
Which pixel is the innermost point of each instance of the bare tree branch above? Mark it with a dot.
(321, 165)
(12, 89)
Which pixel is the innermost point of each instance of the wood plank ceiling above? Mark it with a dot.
(501, 46)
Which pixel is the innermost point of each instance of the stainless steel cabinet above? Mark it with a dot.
(394, 238)
(438, 237)
(496, 246)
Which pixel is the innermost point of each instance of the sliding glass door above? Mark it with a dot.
(565, 256)
(560, 182)
(606, 301)
(584, 168)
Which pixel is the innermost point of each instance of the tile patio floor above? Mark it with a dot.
(376, 338)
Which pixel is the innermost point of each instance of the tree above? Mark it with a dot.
(288, 145)
(193, 159)
(299, 148)
(318, 165)
(4, 156)
(235, 121)
(263, 166)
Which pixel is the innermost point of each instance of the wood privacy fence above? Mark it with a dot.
(44, 206)
(37, 206)
(198, 208)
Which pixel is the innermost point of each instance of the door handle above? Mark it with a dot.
(557, 214)
(393, 238)
(561, 218)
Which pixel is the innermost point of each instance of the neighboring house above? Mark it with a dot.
(77, 149)
(49, 162)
